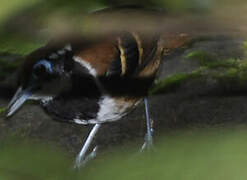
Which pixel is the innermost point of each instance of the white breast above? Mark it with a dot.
(110, 109)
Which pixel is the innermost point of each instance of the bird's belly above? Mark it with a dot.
(111, 109)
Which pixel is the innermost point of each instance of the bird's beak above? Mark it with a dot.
(17, 101)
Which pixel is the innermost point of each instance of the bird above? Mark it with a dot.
(91, 80)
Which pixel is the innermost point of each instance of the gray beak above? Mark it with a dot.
(17, 101)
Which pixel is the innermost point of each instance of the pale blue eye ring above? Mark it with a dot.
(45, 63)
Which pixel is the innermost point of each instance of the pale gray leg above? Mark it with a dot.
(82, 159)
(148, 141)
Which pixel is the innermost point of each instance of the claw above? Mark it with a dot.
(148, 142)
(82, 162)
(82, 159)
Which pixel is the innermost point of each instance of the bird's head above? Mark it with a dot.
(44, 74)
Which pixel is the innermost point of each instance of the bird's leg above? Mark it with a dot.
(148, 141)
(82, 159)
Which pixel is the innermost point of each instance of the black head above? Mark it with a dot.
(44, 74)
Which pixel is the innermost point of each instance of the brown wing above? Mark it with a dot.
(99, 55)
(125, 54)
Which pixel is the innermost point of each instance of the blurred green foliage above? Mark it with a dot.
(9, 8)
(213, 154)
(210, 154)
(29, 161)
(24, 23)
(19, 45)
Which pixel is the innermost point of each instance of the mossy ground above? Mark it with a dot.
(223, 71)
(2, 110)
(172, 83)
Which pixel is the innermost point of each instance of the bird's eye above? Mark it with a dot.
(42, 69)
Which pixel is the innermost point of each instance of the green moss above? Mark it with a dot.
(242, 76)
(210, 60)
(227, 72)
(232, 72)
(202, 57)
(173, 82)
(243, 65)
(2, 110)
(228, 63)
(244, 46)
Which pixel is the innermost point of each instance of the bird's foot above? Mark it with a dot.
(148, 142)
(81, 161)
